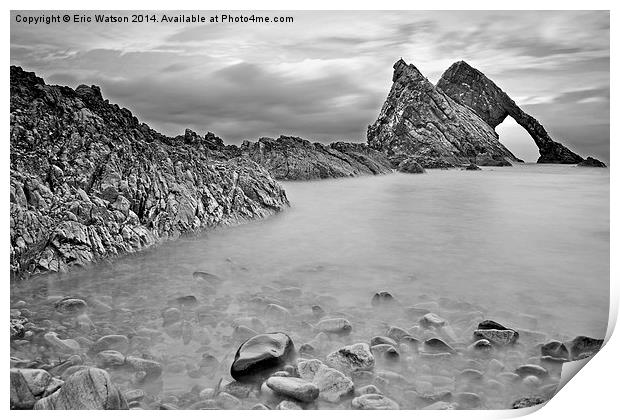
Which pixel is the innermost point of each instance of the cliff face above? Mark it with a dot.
(293, 158)
(470, 87)
(420, 121)
(89, 181)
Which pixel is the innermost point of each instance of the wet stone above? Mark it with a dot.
(239, 389)
(66, 346)
(332, 384)
(437, 345)
(28, 385)
(482, 345)
(87, 389)
(352, 358)
(555, 349)
(382, 340)
(109, 358)
(189, 300)
(535, 370)
(497, 337)
(386, 351)
(171, 316)
(471, 375)
(528, 402)
(151, 368)
(367, 389)
(134, 395)
(295, 388)
(339, 326)
(226, 401)
(491, 325)
(583, 346)
(442, 405)
(382, 298)
(432, 320)
(397, 333)
(468, 400)
(373, 402)
(111, 342)
(288, 405)
(70, 305)
(261, 355)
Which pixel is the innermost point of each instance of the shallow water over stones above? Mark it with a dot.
(166, 324)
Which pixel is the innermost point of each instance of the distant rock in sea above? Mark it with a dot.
(590, 161)
(88, 181)
(293, 158)
(420, 121)
(453, 123)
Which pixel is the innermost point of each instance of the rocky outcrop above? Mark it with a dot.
(420, 121)
(470, 87)
(89, 181)
(293, 158)
(592, 162)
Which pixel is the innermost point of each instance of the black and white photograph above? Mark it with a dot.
(306, 209)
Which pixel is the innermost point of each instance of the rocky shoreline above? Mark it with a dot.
(90, 182)
(439, 354)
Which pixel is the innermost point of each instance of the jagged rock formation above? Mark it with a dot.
(592, 162)
(89, 181)
(293, 158)
(470, 87)
(420, 121)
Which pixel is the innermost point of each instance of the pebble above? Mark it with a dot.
(261, 355)
(555, 349)
(296, 388)
(382, 298)
(471, 375)
(432, 320)
(397, 333)
(367, 389)
(288, 405)
(442, 405)
(528, 402)
(151, 368)
(373, 402)
(70, 305)
(335, 326)
(227, 402)
(386, 351)
(382, 340)
(468, 400)
(437, 345)
(67, 346)
(352, 358)
(482, 345)
(109, 358)
(531, 381)
(333, 385)
(171, 316)
(497, 337)
(535, 370)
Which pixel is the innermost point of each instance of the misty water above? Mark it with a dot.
(527, 246)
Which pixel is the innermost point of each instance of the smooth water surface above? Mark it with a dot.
(527, 246)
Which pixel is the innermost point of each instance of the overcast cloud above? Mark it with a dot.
(325, 76)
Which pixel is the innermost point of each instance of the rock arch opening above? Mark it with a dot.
(517, 140)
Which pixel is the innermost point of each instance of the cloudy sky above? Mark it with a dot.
(325, 76)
